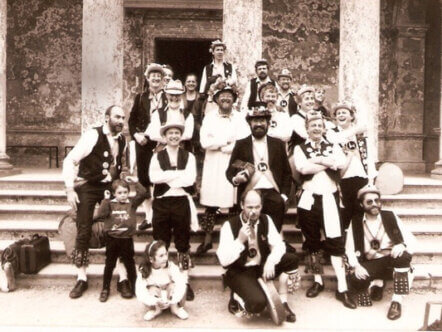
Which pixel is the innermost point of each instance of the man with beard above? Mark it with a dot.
(319, 162)
(286, 97)
(218, 134)
(260, 162)
(251, 97)
(88, 170)
(144, 105)
(250, 247)
(379, 246)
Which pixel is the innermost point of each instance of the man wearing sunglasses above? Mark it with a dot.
(379, 246)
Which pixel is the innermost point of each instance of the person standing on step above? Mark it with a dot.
(120, 224)
(359, 169)
(250, 247)
(145, 104)
(260, 161)
(286, 96)
(379, 246)
(88, 170)
(218, 134)
(168, 74)
(251, 95)
(319, 162)
(173, 173)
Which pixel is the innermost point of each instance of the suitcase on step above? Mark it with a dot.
(35, 254)
(11, 254)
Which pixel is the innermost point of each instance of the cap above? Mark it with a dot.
(174, 87)
(343, 104)
(285, 73)
(305, 88)
(368, 188)
(171, 124)
(226, 88)
(216, 43)
(154, 67)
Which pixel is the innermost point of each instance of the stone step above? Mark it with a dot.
(34, 179)
(421, 184)
(428, 277)
(430, 201)
(427, 252)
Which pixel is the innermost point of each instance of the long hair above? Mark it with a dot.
(150, 252)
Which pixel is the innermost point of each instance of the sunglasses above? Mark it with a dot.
(371, 201)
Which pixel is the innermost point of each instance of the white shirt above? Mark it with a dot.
(230, 249)
(82, 149)
(176, 179)
(298, 124)
(283, 96)
(218, 69)
(280, 125)
(248, 91)
(156, 101)
(261, 154)
(386, 243)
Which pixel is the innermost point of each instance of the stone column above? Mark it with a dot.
(5, 166)
(102, 59)
(242, 33)
(359, 46)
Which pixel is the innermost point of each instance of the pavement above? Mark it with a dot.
(50, 307)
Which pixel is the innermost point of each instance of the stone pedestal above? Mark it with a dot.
(359, 61)
(102, 59)
(242, 33)
(5, 166)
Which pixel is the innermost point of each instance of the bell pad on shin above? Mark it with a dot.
(184, 261)
(363, 299)
(400, 283)
(80, 257)
(314, 262)
(207, 222)
(293, 282)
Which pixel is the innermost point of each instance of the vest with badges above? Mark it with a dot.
(263, 244)
(228, 68)
(164, 161)
(291, 105)
(96, 166)
(325, 149)
(254, 93)
(361, 145)
(162, 113)
(390, 226)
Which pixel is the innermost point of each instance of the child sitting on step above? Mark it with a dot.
(160, 283)
(119, 226)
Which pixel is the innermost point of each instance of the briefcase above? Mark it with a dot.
(35, 254)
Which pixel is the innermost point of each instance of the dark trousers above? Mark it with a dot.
(311, 223)
(171, 215)
(144, 155)
(273, 205)
(88, 195)
(244, 282)
(349, 191)
(381, 268)
(119, 247)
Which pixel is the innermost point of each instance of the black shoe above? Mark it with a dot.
(345, 299)
(203, 248)
(144, 225)
(395, 310)
(104, 294)
(190, 295)
(78, 289)
(291, 317)
(233, 306)
(124, 289)
(315, 290)
(376, 293)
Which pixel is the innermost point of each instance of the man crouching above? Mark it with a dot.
(378, 245)
(250, 247)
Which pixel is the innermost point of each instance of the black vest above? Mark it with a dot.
(254, 92)
(295, 139)
(162, 113)
(293, 105)
(263, 243)
(324, 147)
(96, 165)
(144, 104)
(390, 226)
(210, 79)
(164, 161)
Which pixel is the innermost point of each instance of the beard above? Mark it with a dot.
(259, 131)
(373, 210)
(262, 76)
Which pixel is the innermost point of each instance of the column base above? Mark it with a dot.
(6, 168)
(437, 171)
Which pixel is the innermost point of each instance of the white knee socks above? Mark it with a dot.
(81, 273)
(338, 266)
(121, 270)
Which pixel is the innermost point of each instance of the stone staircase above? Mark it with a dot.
(34, 201)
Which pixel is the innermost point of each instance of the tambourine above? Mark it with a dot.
(274, 304)
(390, 179)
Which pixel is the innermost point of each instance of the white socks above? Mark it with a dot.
(338, 266)
(121, 270)
(81, 273)
(318, 279)
(147, 206)
(377, 282)
(396, 298)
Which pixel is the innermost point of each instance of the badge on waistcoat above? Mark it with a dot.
(351, 145)
(375, 244)
(106, 154)
(262, 166)
(105, 165)
(283, 103)
(252, 252)
(273, 123)
(105, 172)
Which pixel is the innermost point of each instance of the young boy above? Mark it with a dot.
(119, 227)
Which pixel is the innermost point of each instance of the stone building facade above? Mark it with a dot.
(65, 61)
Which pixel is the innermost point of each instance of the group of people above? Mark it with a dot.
(254, 157)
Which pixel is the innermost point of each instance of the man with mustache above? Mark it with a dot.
(379, 246)
(286, 97)
(145, 104)
(88, 170)
(251, 97)
(318, 161)
(267, 157)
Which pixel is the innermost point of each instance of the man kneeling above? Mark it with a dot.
(249, 248)
(378, 245)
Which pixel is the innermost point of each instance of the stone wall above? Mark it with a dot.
(43, 75)
(304, 37)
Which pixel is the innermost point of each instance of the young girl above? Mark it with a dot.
(160, 284)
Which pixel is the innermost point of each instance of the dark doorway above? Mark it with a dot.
(184, 55)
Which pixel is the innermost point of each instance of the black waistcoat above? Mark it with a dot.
(228, 68)
(254, 93)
